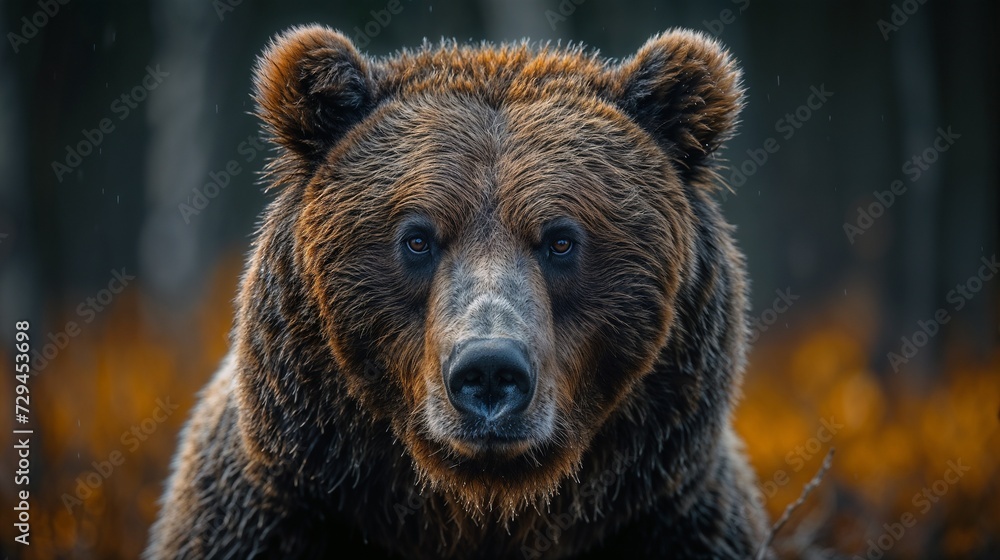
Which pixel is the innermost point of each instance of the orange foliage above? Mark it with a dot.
(110, 378)
(898, 437)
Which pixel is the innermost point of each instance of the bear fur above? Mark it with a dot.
(328, 427)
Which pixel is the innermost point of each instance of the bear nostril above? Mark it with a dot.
(489, 378)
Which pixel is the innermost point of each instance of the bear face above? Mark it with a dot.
(487, 247)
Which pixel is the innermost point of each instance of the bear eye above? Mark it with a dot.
(561, 246)
(418, 244)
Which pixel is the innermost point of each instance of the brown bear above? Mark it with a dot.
(492, 311)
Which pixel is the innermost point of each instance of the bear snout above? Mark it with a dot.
(489, 379)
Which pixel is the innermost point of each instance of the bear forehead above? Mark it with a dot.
(496, 74)
(450, 155)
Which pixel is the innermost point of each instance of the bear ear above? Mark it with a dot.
(685, 90)
(311, 86)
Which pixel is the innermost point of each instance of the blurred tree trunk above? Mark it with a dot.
(915, 283)
(18, 293)
(970, 47)
(172, 262)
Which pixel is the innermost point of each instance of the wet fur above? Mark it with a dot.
(313, 436)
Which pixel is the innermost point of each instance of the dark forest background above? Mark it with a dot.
(899, 75)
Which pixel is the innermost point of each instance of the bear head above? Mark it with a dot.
(478, 248)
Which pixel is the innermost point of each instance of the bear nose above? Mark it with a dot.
(489, 378)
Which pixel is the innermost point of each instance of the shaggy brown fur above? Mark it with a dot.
(329, 425)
